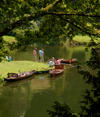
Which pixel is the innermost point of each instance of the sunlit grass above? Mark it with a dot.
(23, 66)
(9, 38)
(77, 38)
(83, 38)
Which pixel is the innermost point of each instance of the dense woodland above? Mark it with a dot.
(44, 20)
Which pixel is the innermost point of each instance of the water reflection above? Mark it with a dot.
(31, 97)
(57, 77)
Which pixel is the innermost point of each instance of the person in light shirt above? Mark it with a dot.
(41, 55)
(51, 62)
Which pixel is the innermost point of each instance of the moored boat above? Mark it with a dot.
(69, 61)
(20, 76)
(57, 70)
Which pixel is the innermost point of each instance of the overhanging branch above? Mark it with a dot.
(87, 32)
(71, 14)
(44, 12)
(29, 18)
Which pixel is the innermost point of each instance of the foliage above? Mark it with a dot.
(91, 107)
(3, 51)
(91, 103)
(43, 20)
(61, 110)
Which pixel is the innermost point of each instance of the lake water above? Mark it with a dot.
(31, 97)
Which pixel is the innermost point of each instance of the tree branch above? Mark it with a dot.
(78, 27)
(70, 14)
(43, 13)
(29, 18)
(52, 5)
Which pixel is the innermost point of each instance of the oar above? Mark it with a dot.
(46, 57)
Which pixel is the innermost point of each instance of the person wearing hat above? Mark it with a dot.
(57, 62)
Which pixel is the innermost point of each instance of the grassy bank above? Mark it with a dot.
(82, 39)
(77, 38)
(23, 66)
(9, 38)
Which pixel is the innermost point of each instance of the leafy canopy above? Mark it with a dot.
(44, 20)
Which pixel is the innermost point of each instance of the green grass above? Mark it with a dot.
(82, 38)
(9, 38)
(23, 66)
(77, 38)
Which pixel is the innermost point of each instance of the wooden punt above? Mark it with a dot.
(57, 70)
(68, 61)
(20, 76)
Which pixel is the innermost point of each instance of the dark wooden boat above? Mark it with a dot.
(68, 61)
(57, 70)
(20, 76)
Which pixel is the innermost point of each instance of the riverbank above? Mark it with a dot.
(23, 66)
(80, 40)
(77, 40)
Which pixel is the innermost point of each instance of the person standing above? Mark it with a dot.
(41, 55)
(34, 54)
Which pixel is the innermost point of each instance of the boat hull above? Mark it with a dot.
(55, 72)
(58, 70)
(15, 77)
(68, 61)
